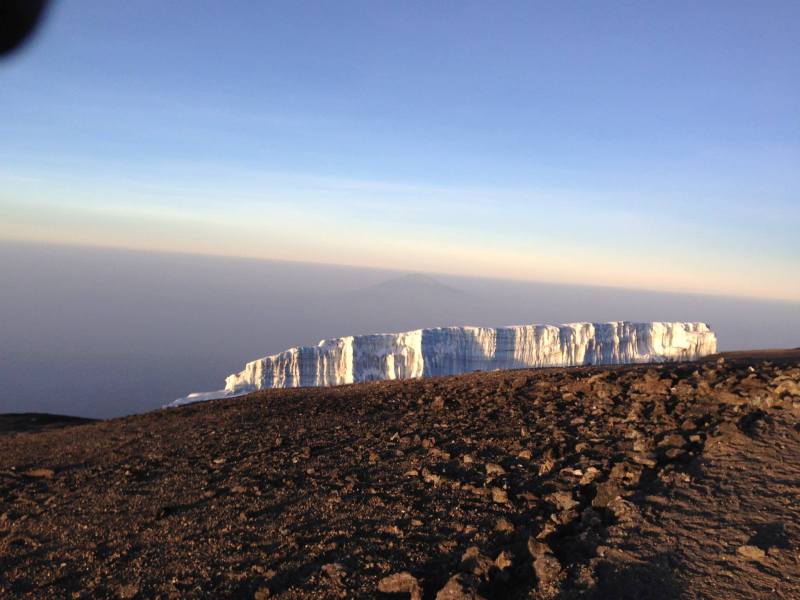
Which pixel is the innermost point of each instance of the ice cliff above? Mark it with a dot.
(454, 350)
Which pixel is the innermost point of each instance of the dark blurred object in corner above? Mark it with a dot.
(18, 19)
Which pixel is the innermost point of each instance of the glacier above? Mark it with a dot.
(456, 350)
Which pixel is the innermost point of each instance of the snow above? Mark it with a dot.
(455, 350)
(203, 396)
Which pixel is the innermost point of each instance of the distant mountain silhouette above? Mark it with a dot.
(34, 422)
(415, 283)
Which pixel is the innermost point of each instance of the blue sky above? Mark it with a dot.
(650, 145)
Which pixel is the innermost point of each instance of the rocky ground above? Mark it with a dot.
(654, 481)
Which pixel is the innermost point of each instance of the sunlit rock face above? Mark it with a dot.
(455, 350)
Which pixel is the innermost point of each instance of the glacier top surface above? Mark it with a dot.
(459, 349)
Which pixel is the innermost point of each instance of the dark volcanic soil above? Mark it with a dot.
(649, 481)
(17, 422)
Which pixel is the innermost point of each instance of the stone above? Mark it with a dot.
(675, 453)
(623, 511)
(537, 548)
(401, 583)
(440, 454)
(589, 476)
(504, 560)
(494, 469)
(503, 525)
(545, 565)
(547, 569)
(646, 460)
(334, 571)
(672, 440)
(546, 465)
(562, 500)
(787, 387)
(751, 552)
(473, 561)
(607, 492)
(460, 587)
(547, 529)
(629, 474)
(431, 478)
(41, 473)
(499, 496)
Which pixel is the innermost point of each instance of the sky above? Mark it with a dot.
(651, 145)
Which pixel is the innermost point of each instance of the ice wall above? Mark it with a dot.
(454, 350)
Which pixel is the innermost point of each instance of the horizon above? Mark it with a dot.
(401, 273)
(119, 331)
(618, 146)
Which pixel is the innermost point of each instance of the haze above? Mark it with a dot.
(100, 333)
